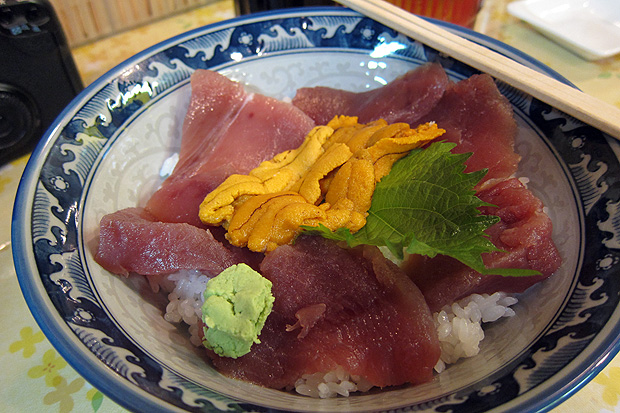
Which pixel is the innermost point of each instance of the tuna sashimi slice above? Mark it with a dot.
(524, 232)
(479, 119)
(225, 131)
(179, 202)
(131, 241)
(405, 99)
(338, 307)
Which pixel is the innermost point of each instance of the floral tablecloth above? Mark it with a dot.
(35, 378)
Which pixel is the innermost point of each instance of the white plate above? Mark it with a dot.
(590, 28)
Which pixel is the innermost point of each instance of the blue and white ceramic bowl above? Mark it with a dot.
(105, 151)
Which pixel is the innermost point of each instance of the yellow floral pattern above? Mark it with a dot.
(3, 182)
(52, 363)
(611, 383)
(63, 393)
(28, 342)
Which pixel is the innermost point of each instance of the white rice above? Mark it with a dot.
(331, 384)
(459, 328)
(185, 300)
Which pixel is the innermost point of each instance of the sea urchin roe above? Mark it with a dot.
(266, 221)
(275, 175)
(328, 180)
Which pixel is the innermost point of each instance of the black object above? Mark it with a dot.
(252, 6)
(38, 76)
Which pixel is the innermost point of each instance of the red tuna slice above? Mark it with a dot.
(405, 99)
(131, 241)
(524, 232)
(479, 119)
(360, 312)
(225, 131)
(179, 201)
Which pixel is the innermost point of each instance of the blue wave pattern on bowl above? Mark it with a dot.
(592, 165)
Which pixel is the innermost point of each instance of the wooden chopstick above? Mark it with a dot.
(567, 99)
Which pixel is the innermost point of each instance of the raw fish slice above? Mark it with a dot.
(131, 241)
(364, 315)
(524, 232)
(479, 119)
(180, 201)
(405, 99)
(225, 131)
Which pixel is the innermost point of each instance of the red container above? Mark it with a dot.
(461, 12)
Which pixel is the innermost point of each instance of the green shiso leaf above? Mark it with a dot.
(426, 205)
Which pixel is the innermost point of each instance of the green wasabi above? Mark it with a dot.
(236, 305)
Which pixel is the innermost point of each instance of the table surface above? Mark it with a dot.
(36, 378)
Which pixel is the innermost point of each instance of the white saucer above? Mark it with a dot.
(590, 28)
